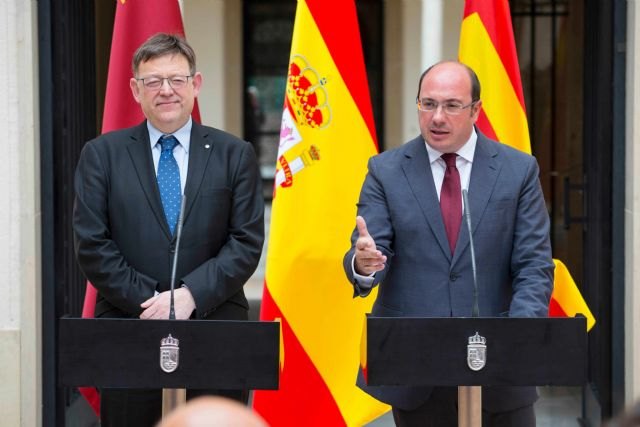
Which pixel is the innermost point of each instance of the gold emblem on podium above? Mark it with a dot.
(476, 352)
(169, 353)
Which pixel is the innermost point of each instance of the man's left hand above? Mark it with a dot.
(157, 307)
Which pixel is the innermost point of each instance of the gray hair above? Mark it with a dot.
(162, 44)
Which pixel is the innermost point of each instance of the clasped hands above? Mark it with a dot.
(157, 307)
(368, 259)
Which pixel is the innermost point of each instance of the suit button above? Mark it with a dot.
(453, 277)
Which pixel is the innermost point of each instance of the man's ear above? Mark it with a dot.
(197, 83)
(135, 89)
(476, 110)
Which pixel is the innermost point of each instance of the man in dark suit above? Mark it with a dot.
(411, 240)
(128, 185)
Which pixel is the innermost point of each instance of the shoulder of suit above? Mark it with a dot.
(117, 138)
(405, 149)
(218, 135)
(505, 150)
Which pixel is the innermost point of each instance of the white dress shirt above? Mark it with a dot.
(180, 152)
(464, 162)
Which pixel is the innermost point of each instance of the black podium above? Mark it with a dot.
(124, 353)
(476, 352)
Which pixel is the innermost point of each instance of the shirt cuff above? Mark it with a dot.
(364, 282)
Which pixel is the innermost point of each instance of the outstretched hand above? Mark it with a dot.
(368, 259)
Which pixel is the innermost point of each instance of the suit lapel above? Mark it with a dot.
(200, 149)
(417, 170)
(140, 154)
(484, 174)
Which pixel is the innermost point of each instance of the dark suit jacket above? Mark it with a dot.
(510, 227)
(122, 240)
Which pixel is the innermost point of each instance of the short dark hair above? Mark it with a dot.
(475, 82)
(162, 44)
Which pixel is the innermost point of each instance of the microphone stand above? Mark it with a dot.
(174, 397)
(172, 309)
(467, 215)
(470, 397)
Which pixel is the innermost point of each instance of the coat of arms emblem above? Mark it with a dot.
(169, 353)
(476, 352)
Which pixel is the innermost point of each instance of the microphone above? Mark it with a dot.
(172, 309)
(467, 215)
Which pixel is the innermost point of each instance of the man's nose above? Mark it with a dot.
(438, 113)
(165, 87)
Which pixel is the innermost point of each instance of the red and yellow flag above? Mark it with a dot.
(326, 137)
(135, 22)
(487, 45)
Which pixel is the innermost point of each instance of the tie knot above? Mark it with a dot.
(450, 159)
(168, 142)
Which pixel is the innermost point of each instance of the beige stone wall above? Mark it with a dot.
(632, 207)
(214, 29)
(20, 313)
(418, 33)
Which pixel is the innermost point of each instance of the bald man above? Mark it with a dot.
(213, 411)
(411, 241)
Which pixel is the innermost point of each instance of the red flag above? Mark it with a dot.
(135, 22)
(487, 45)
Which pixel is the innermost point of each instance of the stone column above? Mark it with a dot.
(20, 304)
(632, 207)
(214, 29)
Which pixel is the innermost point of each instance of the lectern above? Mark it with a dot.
(169, 354)
(479, 351)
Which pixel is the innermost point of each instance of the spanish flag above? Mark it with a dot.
(135, 22)
(326, 137)
(487, 45)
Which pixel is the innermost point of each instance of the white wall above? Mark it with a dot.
(632, 207)
(20, 314)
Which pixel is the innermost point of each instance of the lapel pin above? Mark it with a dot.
(207, 146)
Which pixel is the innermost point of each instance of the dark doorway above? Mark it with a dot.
(567, 61)
(69, 52)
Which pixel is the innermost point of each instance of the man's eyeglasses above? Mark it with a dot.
(155, 83)
(450, 108)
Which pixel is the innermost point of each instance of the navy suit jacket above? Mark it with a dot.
(122, 240)
(510, 227)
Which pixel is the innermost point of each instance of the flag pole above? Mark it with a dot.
(171, 399)
(469, 406)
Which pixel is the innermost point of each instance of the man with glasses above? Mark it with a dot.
(129, 186)
(410, 238)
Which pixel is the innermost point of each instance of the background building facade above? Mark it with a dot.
(581, 77)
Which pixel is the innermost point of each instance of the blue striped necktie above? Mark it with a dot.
(169, 181)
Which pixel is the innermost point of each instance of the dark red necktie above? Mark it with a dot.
(451, 200)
